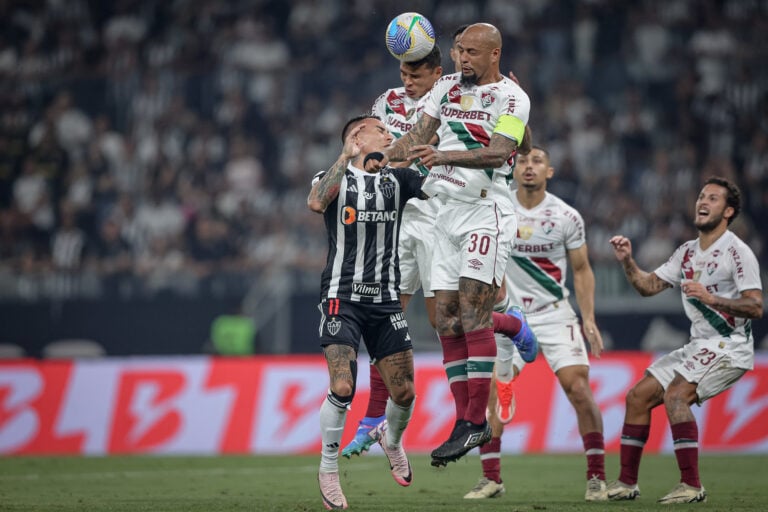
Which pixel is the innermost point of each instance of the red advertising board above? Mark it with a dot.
(202, 405)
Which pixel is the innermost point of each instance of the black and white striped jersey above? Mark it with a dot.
(363, 223)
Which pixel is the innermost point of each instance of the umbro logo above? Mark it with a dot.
(475, 264)
(474, 439)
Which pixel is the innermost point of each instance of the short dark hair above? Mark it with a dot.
(459, 30)
(546, 153)
(432, 60)
(354, 122)
(732, 197)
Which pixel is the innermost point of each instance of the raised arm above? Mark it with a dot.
(326, 189)
(584, 287)
(646, 283)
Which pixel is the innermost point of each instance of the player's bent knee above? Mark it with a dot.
(403, 396)
(342, 389)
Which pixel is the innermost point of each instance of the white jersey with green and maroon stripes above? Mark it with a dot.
(536, 271)
(727, 268)
(399, 112)
(469, 115)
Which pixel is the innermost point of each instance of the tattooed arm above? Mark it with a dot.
(400, 151)
(488, 157)
(646, 283)
(326, 189)
(749, 305)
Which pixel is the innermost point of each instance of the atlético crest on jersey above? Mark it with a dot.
(387, 187)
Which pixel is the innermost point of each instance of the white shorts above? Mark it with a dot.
(471, 240)
(706, 363)
(417, 235)
(560, 339)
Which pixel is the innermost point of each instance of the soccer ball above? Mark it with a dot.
(410, 37)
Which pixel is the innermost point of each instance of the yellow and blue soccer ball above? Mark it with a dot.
(410, 37)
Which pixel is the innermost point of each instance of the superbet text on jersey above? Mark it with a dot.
(470, 115)
(545, 233)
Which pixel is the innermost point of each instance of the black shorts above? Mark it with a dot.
(382, 326)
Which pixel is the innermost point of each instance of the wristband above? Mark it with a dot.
(373, 156)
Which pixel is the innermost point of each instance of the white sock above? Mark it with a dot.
(397, 419)
(332, 418)
(504, 370)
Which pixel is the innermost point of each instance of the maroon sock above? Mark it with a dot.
(633, 438)
(507, 325)
(594, 448)
(455, 364)
(481, 351)
(685, 437)
(377, 403)
(490, 457)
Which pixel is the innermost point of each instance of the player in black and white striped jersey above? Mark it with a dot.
(359, 294)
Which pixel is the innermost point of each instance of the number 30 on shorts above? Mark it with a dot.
(479, 243)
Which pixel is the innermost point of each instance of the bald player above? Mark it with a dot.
(480, 117)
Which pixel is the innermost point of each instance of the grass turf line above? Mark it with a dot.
(289, 484)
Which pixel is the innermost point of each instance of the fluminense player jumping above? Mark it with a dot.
(719, 279)
(479, 116)
(399, 108)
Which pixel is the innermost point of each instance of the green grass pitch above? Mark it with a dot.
(288, 484)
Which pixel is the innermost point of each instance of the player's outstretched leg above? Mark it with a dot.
(525, 340)
(363, 437)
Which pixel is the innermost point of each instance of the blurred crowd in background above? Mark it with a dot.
(168, 145)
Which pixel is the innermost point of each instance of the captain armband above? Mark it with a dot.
(510, 126)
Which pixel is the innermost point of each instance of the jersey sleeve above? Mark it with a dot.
(514, 114)
(575, 235)
(746, 270)
(410, 181)
(379, 108)
(432, 101)
(671, 271)
(317, 177)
